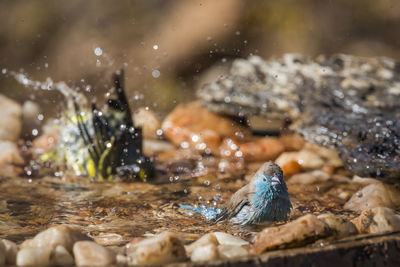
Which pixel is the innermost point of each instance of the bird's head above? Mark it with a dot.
(269, 178)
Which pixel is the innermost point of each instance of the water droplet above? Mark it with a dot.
(4, 71)
(159, 132)
(156, 73)
(184, 145)
(35, 132)
(155, 47)
(40, 117)
(206, 182)
(98, 51)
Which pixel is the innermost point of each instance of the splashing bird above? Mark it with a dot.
(263, 200)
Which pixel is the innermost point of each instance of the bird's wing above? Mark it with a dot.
(235, 204)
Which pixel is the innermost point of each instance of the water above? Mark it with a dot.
(114, 212)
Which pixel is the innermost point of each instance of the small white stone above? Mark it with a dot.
(227, 239)
(206, 239)
(62, 235)
(11, 251)
(61, 257)
(232, 251)
(205, 253)
(157, 250)
(88, 253)
(34, 256)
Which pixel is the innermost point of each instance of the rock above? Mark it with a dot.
(89, 253)
(232, 251)
(312, 177)
(153, 147)
(121, 260)
(161, 249)
(10, 123)
(191, 125)
(61, 257)
(148, 121)
(3, 254)
(11, 250)
(307, 159)
(207, 252)
(61, 235)
(377, 220)
(292, 142)
(39, 256)
(340, 101)
(262, 149)
(340, 226)
(303, 230)
(374, 195)
(227, 239)
(291, 167)
(330, 156)
(10, 159)
(205, 240)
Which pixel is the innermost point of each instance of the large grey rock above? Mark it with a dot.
(341, 101)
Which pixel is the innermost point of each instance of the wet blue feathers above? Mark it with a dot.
(265, 199)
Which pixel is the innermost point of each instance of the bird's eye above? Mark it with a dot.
(264, 179)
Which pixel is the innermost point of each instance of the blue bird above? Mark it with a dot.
(264, 200)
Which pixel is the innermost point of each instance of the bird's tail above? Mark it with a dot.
(209, 212)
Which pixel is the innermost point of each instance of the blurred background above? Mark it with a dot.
(168, 48)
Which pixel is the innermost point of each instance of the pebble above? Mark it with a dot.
(39, 256)
(374, 195)
(227, 239)
(62, 235)
(207, 252)
(61, 257)
(330, 156)
(205, 240)
(190, 125)
(301, 231)
(160, 249)
(340, 226)
(11, 250)
(317, 176)
(148, 121)
(263, 149)
(306, 158)
(11, 119)
(89, 253)
(312, 177)
(10, 158)
(232, 251)
(377, 220)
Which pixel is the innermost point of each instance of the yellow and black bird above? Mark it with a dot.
(102, 143)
